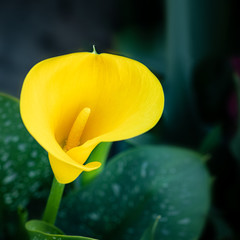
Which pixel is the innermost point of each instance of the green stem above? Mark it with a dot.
(53, 203)
(100, 153)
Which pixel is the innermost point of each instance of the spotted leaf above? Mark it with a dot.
(136, 187)
(24, 166)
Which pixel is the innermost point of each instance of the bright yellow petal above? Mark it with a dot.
(130, 100)
(60, 168)
(124, 97)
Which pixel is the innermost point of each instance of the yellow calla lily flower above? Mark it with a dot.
(71, 103)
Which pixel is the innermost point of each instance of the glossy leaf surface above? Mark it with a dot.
(24, 167)
(136, 187)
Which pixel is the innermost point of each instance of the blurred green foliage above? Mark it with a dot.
(191, 49)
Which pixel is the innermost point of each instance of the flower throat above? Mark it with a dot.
(74, 137)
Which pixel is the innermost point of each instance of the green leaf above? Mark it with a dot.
(211, 140)
(149, 234)
(24, 167)
(136, 187)
(189, 43)
(40, 230)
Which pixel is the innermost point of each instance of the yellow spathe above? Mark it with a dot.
(73, 102)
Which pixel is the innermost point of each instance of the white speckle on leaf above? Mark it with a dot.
(116, 189)
(184, 221)
(5, 157)
(7, 104)
(136, 189)
(165, 185)
(93, 216)
(15, 138)
(32, 174)
(9, 178)
(151, 173)
(3, 116)
(31, 164)
(164, 219)
(8, 199)
(7, 165)
(143, 169)
(173, 213)
(7, 139)
(7, 123)
(22, 147)
(34, 154)
(162, 206)
(165, 232)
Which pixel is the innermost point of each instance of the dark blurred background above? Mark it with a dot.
(31, 31)
(190, 45)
